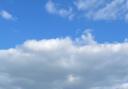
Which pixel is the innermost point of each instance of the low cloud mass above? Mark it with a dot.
(63, 63)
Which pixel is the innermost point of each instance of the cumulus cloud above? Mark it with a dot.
(101, 9)
(6, 15)
(62, 63)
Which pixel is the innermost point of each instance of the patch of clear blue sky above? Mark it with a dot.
(33, 22)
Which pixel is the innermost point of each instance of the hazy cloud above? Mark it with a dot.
(6, 15)
(97, 9)
(53, 8)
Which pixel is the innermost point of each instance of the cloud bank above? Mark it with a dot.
(63, 63)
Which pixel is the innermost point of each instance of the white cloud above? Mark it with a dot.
(6, 15)
(102, 9)
(54, 8)
(93, 9)
(50, 7)
(63, 63)
(88, 4)
(111, 11)
(86, 38)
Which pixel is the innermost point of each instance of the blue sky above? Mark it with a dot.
(63, 44)
(31, 20)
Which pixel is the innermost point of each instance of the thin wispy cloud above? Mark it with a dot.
(101, 9)
(55, 9)
(6, 15)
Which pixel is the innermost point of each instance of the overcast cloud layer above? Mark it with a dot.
(62, 63)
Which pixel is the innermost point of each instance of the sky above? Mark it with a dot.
(63, 44)
(32, 19)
